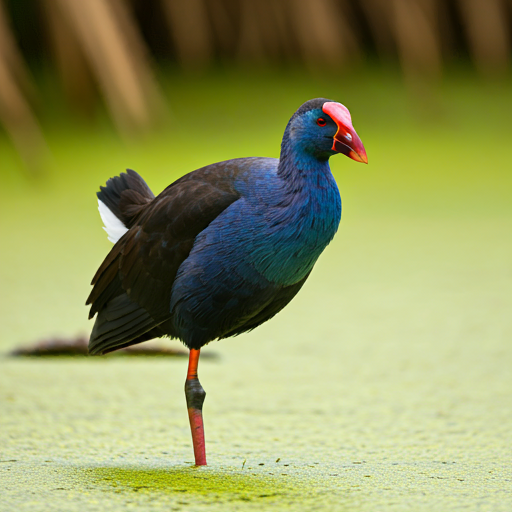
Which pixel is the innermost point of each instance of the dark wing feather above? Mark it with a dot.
(132, 287)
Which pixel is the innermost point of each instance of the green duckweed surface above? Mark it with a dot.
(385, 386)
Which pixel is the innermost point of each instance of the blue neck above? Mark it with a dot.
(296, 164)
(311, 218)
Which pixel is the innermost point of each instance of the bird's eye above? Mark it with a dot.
(321, 121)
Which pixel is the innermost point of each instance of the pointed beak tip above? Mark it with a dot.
(358, 156)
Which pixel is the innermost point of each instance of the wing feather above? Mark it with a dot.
(132, 288)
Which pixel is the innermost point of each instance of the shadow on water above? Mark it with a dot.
(202, 484)
(78, 346)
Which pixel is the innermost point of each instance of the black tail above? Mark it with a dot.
(120, 321)
(125, 196)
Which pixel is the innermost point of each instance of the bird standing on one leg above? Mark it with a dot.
(222, 249)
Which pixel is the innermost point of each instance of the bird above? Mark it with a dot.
(222, 249)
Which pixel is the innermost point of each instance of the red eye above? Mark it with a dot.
(321, 121)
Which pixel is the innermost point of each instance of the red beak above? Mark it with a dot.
(346, 140)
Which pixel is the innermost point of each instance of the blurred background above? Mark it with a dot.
(88, 89)
(406, 318)
(124, 62)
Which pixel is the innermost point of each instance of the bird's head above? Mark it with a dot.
(323, 128)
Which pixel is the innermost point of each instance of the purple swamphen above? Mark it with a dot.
(221, 250)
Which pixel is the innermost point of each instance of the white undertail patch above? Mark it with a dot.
(113, 226)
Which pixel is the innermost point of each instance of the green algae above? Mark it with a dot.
(192, 481)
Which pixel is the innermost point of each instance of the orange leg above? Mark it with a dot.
(195, 395)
